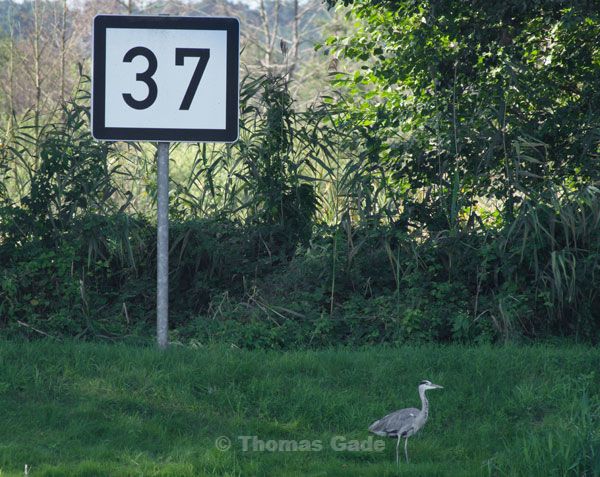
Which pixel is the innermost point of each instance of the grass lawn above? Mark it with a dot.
(91, 409)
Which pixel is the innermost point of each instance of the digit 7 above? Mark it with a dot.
(203, 54)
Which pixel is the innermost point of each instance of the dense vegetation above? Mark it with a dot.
(89, 409)
(447, 191)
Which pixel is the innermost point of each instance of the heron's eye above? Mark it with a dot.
(424, 382)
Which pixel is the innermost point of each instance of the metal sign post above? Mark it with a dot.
(162, 246)
(159, 78)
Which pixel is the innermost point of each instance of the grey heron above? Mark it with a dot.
(405, 422)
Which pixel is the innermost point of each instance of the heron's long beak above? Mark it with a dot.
(437, 386)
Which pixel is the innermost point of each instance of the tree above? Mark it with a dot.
(462, 103)
(278, 39)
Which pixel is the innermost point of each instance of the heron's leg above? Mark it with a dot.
(397, 445)
(406, 448)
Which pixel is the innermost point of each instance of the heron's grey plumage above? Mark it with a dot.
(405, 422)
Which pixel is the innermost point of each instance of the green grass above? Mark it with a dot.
(89, 409)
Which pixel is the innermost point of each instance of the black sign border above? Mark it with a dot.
(101, 132)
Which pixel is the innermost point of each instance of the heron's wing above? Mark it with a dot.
(395, 423)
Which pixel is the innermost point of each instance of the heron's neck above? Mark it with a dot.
(424, 402)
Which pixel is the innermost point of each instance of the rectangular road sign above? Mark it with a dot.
(159, 78)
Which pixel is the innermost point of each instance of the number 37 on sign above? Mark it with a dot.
(165, 78)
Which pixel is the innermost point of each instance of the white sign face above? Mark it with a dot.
(165, 78)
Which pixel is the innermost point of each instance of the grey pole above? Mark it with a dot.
(162, 248)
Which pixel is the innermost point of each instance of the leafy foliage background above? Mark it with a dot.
(447, 190)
